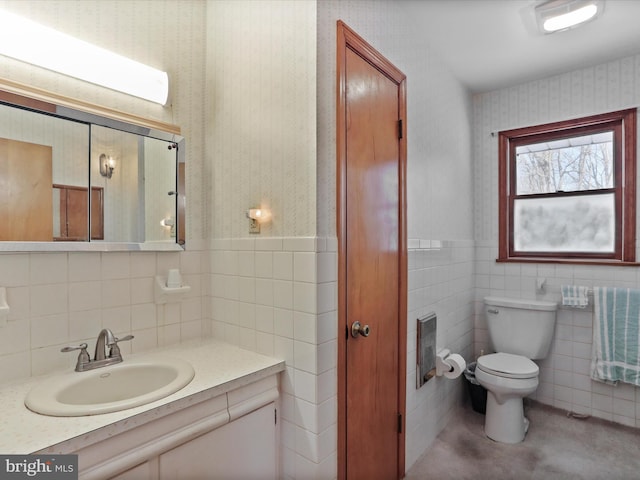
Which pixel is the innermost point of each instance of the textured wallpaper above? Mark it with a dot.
(261, 115)
(588, 91)
(439, 182)
(70, 141)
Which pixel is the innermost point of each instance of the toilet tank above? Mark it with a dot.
(520, 327)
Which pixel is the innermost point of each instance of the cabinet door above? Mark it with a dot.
(243, 449)
(144, 471)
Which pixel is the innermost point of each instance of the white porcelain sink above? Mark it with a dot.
(132, 383)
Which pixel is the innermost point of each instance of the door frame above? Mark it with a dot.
(347, 38)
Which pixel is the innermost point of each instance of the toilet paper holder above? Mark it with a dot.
(451, 366)
(441, 366)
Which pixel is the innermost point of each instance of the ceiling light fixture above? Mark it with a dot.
(558, 15)
(33, 43)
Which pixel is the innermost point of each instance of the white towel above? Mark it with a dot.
(575, 296)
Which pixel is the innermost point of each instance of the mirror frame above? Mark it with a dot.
(48, 103)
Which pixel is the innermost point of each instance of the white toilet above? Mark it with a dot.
(520, 330)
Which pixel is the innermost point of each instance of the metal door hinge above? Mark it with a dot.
(400, 129)
(275, 416)
(399, 423)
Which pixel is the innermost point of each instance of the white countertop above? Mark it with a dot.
(219, 368)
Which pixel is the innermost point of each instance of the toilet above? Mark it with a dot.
(520, 331)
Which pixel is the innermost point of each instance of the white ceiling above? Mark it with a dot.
(492, 44)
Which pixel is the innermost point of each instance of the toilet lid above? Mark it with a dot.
(508, 365)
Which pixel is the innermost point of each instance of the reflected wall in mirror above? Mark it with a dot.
(71, 179)
(139, 185)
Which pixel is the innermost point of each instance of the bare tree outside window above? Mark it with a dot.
(544, 169)
(567, 190)
(565, 224)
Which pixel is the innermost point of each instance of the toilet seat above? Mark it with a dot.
(508, 365)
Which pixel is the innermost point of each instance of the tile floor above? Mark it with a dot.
(556, 447)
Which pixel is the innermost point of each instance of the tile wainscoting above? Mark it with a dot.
(440, 281)
(278, 297)
(564, 375)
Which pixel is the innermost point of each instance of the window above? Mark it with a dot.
(568, 190)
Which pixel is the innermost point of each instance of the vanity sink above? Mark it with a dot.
(108, 389)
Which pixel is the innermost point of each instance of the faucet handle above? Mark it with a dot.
(71, 348)
(114, 350)
(83, 356)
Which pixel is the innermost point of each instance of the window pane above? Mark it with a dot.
(565, 224)
(569, 165)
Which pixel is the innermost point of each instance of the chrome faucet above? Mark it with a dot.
(106, 339)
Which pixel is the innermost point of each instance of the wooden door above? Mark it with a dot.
(26, 192)
(372, 262)
(74, 213)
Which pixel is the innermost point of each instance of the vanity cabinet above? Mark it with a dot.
(232, 435)
(146, 470)
(243, 449)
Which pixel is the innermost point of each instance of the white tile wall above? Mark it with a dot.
(440, 281)
(277, 296)
(59, 299)
(564, 376)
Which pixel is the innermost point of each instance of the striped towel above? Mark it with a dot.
(616, 336)
(575, 296)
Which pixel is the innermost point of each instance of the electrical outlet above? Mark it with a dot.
(254, 226)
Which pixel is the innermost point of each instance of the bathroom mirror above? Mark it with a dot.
(87, 179)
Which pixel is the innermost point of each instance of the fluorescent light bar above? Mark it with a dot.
(570, 19)
(45, 47)
(557, 15)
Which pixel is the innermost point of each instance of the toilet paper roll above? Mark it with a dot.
(457, 364)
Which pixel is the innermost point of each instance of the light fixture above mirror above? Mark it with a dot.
(39, 45)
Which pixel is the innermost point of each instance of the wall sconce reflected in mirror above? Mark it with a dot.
(256, 217)
(170, 224)
(107, 165)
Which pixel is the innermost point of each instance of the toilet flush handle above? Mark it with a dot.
(495, 311)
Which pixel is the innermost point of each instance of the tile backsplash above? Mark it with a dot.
(66, 298)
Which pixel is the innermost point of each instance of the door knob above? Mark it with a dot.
(358, 328)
